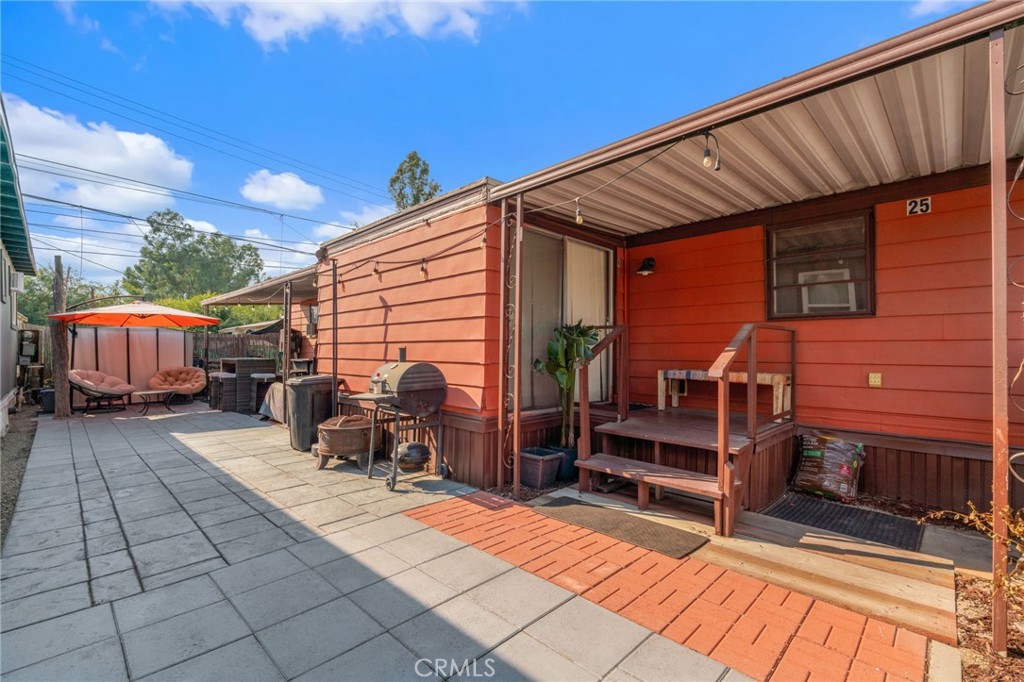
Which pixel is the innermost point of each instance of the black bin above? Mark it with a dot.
(47, 400)
(309, 404)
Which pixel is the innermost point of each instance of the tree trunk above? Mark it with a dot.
(59, 346)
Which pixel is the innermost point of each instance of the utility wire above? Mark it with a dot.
(87, 87)
(180, 137)
(87, 260)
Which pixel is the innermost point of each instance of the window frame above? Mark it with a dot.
(868, 216)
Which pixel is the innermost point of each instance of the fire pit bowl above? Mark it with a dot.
(347, 436)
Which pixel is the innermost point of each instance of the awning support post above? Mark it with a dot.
(517, 353)
(503, 347)
(1000, 356)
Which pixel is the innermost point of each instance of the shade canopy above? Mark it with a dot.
(137, 314)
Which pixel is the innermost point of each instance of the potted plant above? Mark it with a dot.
(571, 346)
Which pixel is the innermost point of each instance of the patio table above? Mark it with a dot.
(155, 396)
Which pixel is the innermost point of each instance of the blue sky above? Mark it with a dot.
(323, 100)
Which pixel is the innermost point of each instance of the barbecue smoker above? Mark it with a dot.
(412, 391)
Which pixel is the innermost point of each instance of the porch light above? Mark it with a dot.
(646, 268)
(579, 213)
(708, 136)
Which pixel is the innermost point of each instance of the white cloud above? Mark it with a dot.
(349, 219)
(94, 257)
(107, 46)
(284, 190)
(55, 136)
(274, 24)
(278, 262)
(923, 8)
(83, 22)
(202, 225)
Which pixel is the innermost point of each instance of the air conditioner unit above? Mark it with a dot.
(18, 282)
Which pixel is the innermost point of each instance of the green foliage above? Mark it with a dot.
(411, 184)
(36, 302)
(571, 346)
(180, 262)
(230, 316)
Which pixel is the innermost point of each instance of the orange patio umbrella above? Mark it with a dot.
(137, 314)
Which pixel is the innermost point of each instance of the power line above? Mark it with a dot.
(87, 260)
(181, 137)
(189, 124)
(250, 240)
(177, 193)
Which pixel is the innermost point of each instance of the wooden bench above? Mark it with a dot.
(672, 384)
(646, 474)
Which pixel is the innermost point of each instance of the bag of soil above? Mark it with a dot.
(829, 466)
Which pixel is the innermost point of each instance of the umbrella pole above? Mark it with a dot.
(206, 350)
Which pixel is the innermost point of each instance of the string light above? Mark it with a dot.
(579, 212)
(483, 241)
(376, 269)
(423, 268)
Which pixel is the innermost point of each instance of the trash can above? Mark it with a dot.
(47, 399)
(309, 404)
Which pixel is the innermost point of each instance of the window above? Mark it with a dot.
(822, 269)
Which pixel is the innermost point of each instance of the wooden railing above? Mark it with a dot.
(619, 334)
(727, 476)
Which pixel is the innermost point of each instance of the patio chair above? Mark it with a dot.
(186, 381)
(100, 389)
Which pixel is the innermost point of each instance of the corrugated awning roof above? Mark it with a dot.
(912, 106)
(13, 226)
(271, 291)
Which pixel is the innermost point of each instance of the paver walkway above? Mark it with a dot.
(200, 546)
(762, 630)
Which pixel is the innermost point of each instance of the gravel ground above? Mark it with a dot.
(17, 443)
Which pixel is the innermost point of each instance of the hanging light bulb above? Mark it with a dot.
(423, 268)
(376, 268)
(483, 241)
(579, 213)
(708, 136)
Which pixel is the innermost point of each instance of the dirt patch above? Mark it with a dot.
(974, 626)
(526, 493)
(17, 443)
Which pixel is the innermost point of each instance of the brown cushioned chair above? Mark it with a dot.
(100, 389)
(182, 380)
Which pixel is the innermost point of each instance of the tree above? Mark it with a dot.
(411, 184)
(36, 302)
(178, 261)
(230, 316)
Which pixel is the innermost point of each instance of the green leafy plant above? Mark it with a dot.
(571, 346)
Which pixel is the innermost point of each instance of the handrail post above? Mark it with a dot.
(723, 427)
(623, 374)
(583, 443)
(752, 386)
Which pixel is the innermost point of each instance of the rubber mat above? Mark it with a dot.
(661, 538)
(842, 518)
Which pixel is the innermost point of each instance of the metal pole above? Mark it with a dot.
(1000, 356)
(334, 335)
(286, 357)
(503, 345)
(206, 349)
(517, 352)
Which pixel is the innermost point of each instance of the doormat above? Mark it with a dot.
(673, 542)
(853, 521)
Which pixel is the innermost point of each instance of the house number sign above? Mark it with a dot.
(919, 206)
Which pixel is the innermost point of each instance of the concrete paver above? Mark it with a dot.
(216, 552)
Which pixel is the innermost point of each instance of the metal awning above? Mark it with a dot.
(13, 225)
(271, 291)
(912, 106)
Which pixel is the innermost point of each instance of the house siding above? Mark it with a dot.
(930, 336)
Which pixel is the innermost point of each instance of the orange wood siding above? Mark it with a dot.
(449, 318)
(930, 336)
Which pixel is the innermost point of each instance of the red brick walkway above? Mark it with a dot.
(762, 630)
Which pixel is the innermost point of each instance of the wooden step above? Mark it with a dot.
(653, 474)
